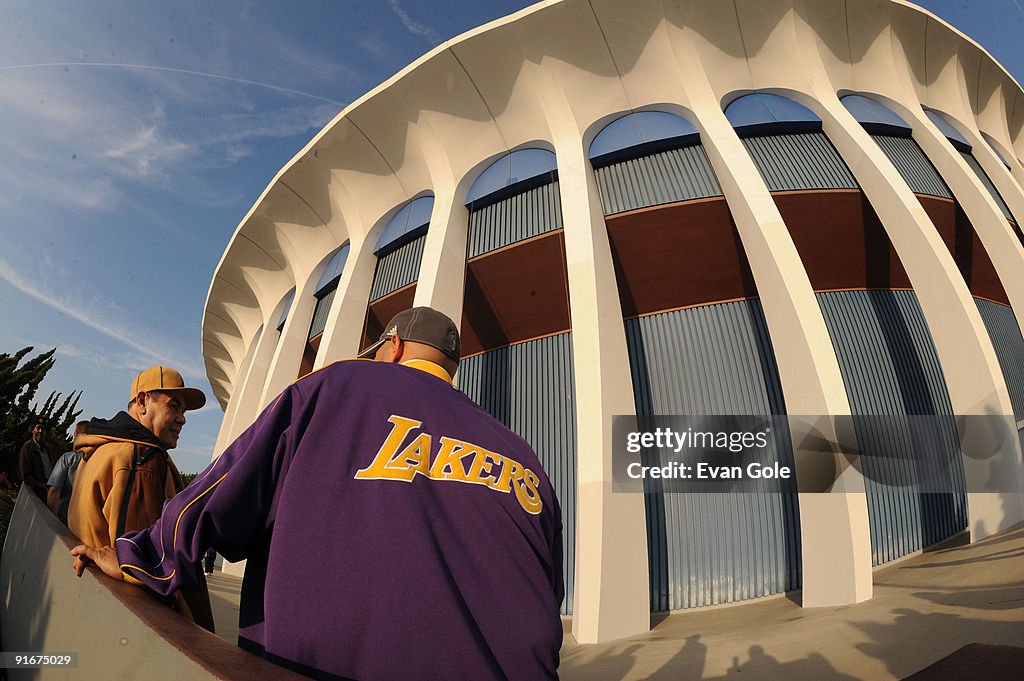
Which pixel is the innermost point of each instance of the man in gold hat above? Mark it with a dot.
(126, 474)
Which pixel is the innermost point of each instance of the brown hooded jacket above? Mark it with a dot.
(121, 485)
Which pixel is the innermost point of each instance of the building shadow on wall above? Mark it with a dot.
(912, 628)
(688, 664)
(934, 448)
(908, 643)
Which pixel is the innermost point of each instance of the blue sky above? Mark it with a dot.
(136, 135)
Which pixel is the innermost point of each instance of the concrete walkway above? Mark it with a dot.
(924, 608)
(224, 591)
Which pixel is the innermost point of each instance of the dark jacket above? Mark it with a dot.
(32, 467)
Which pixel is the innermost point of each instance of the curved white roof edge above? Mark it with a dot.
(1012, 104)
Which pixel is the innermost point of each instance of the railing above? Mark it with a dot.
(119, 631)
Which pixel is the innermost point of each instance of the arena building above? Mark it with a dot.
(764, 207)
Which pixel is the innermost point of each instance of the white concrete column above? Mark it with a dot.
(612, 579)
(284, 367)
(246, 398)
(344, 325)
(834, 527)
(1003, 178)
(969, 363)
(443, 270)
(224, 436)
(998, 239)
(246, 401)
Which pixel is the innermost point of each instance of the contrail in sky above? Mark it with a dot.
(122, 333)
(168, 69)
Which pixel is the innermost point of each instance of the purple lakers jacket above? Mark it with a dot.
(393, 530)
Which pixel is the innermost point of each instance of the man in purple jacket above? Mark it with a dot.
(393, 529)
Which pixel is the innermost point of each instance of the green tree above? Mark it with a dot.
(19, 382)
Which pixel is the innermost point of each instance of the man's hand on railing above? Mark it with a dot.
(105, 559)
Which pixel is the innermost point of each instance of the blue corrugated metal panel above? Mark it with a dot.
(323, 308)
(398, 268)
(983, 177)
(518, 217)
(803, 161)
(706, 549)
(1009, 345)
(530, 388)
(913, 165)
(890, 368)
(667, 177)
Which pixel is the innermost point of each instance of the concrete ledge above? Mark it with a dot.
(119, 631)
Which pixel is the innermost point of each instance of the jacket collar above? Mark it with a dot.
(430, 368)
(121, 428)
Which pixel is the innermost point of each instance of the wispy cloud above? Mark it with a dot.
(146, 149)
(234, 128)
(106, 360)
(414, 26)
(167, 69)
(84, 143)
(145, 349)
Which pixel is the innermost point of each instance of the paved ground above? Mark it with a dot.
(224, 591)
(923, 609)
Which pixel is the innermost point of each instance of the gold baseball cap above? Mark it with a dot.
(166, 379)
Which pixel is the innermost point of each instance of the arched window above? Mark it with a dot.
(326, 288)
(894, 137)
(513, 173)
(786, 143)
(407, 224)
(761, 114)
(875, 116)
(949, 130)
(332, 272)
(650, 158)
(997, 149)
(961, 144)
(639, 134)
(285, 309)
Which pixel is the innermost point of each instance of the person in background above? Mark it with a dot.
(126, 474)
(393, 528)
(209, 559)
(35, 462)
(58, 492)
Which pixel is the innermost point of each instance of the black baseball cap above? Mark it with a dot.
(421, 325)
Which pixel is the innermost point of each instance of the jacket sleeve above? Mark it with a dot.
(557, 576)
(228, 506)
(59, 474)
